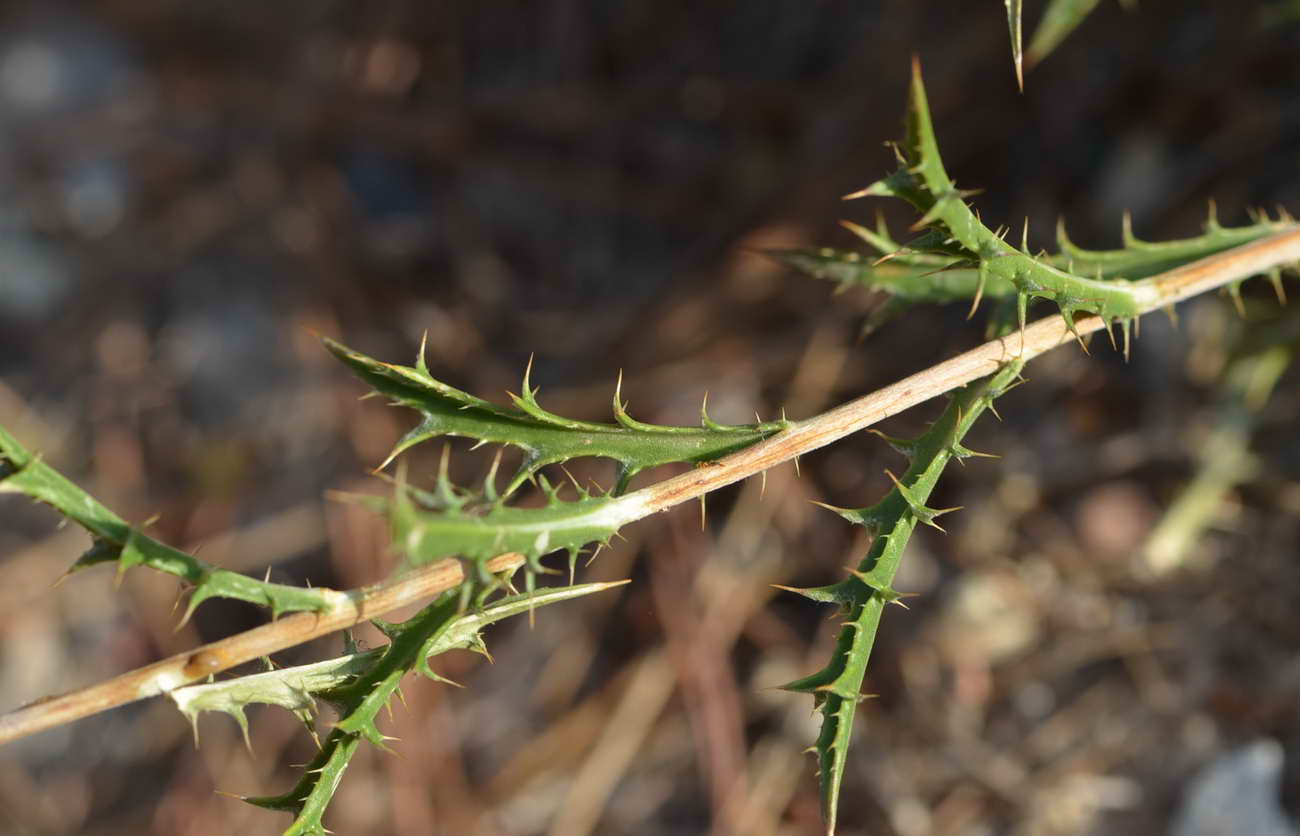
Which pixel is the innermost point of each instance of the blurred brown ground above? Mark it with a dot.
(190, 192)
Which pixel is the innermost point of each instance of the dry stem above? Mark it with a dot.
(198, 664)
(1173, 286)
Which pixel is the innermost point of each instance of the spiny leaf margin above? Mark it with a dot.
(427, 527)
(359, 686)
(543, 436)
(951, 228)
(114, 540)
(837, 688)
(909, 278)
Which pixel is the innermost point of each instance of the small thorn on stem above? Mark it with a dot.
(528, 374)
(1275, 279)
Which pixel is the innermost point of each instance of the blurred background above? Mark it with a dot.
(191, 192)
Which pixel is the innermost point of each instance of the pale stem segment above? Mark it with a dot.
(196, 665)
(1173, 286)
(805, 436)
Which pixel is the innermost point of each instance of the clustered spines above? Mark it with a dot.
(544, 437)
(359, 686)
(945, 213)
(481, 520)
(308, 800)
(476, 528)
(862, 596)
(956, 257)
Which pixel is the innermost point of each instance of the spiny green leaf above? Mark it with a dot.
(836, 688)
(953, 229)
(309, 798)
(294, 688)
(923, 182)
(1122, 282)
(112, 539)
(545, 438)
(359, 685)
(481, 533)
(1140, 259)
(289, 688)
(911, 279)
(916, 278)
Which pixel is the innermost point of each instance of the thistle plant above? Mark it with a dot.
(471, 549)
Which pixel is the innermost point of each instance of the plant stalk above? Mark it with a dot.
(803, 437)
(196, 665)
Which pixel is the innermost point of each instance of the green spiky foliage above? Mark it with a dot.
(427, 525)
(954, 256)
(908, 278)
(113, 540)
(904, 277)
(480, 527)
(544, 437)
(358, 686)
(862, 597)
(950, 228)
(952, 238)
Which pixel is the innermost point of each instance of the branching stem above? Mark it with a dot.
(803, 437)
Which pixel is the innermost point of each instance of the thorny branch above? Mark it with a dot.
(803, 437)
(198, 664)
